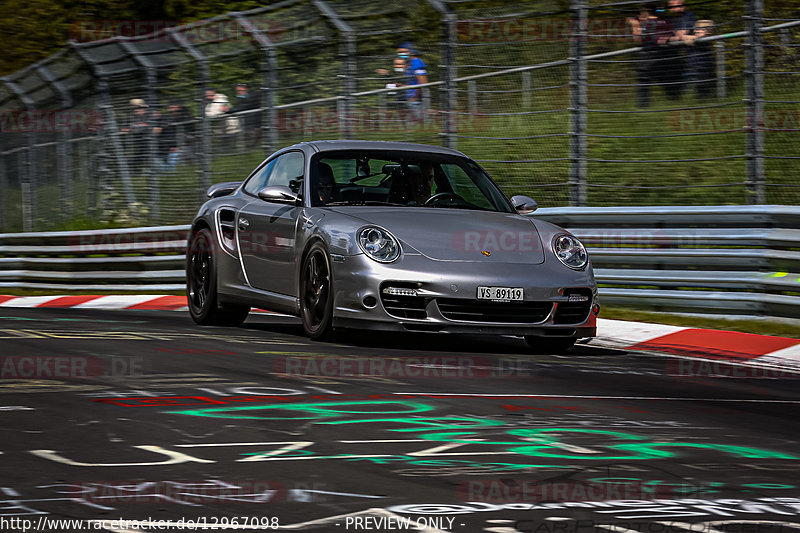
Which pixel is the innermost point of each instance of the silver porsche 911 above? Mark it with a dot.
(387, 236)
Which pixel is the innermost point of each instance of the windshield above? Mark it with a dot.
(410, 179)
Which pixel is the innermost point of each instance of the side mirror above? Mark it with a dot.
(524, 204)
(280, 194)
(222, 189)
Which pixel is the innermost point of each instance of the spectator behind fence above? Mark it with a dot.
(683, 22)
(247, 101)
(652, 32)
(217, 106)
(397, 98)
(700, 57)
(137, 135)
(416, 73)
(175, 133)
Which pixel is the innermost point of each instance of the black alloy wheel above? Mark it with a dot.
(201, 285)
(316, 293)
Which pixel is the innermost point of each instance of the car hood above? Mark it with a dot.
(445, 234)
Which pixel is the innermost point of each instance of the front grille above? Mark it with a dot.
(573, 312)
(404, 306)
(481, 311)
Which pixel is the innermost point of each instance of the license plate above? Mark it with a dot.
(503, 294)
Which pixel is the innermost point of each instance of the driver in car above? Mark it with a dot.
(325, 184)
(422, 183)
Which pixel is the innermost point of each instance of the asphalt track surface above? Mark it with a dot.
(144, 416)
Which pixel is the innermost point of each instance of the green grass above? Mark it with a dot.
(767, 326)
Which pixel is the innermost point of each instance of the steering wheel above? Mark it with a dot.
(440, 195)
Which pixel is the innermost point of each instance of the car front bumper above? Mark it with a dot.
(359, 302)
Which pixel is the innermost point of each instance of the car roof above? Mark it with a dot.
(330, 145)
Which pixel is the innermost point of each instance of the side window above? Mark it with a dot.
(259, 180)
(288, 171)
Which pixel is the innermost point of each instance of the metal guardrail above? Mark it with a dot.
(132, 259)
(715, 259)
(719, 259)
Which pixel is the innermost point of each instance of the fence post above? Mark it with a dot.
(3, 186)
(450, 102)
(348, 52)
(269, 62)
(151, 80)
(754, 72)
(64, 146)
(578, 104)
(451, 86)
(205, 125)
(112, 130)
(109, 122)
(719, 48)
(27, 180)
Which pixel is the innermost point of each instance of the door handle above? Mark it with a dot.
(243, 224)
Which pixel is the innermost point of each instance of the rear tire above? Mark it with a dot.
(316, 293)
(549, 345)
(201, 285)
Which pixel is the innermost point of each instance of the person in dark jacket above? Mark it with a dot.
(700, 58)
(652, 31)
(247, 100)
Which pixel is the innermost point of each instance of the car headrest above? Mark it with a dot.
(392, 169)
(325, 172)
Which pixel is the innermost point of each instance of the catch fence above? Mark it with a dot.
(570, 106)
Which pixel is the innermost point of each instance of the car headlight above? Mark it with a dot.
(570, 251)
(378, 244)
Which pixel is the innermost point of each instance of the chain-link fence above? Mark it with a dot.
(572, 103)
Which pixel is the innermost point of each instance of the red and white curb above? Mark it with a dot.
(142, 302)
(709, 344)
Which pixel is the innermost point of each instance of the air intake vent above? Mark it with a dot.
(505, 312)
(576, 310)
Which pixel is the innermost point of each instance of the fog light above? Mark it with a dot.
(399, 291)
(596, 309)
(370, 302)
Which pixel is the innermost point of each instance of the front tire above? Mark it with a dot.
(316, 293)
(201, 285)
(549, 345)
